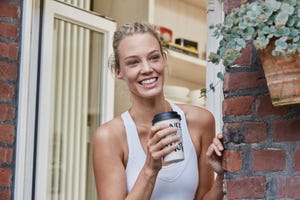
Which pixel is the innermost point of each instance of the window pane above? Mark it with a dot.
(76, 110)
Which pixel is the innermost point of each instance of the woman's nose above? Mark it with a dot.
(146, 67)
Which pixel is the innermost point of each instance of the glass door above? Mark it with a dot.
(76, 92)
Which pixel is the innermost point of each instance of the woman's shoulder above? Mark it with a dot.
(201, 125)
(109, 142)
(196, 114)
(110, 131)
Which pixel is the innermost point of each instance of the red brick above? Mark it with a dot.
(252, 187)
(251, 80)
(9, 50)
(4, 194)
(289, 187)
(8, 30)
(287, 130)
(5, 155)
(238, 106)
(10, 10)
(297, 160)
(246, 56)
(8, 71)
(6, 91)
(231, 4)
(266, 108)
(7, 112)
(268, 160)
(248, 132)
(5, 177)
(7, 133)
(232, 160)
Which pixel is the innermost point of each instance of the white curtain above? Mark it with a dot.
(76, 110)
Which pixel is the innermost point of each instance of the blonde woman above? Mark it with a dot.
(129, 150)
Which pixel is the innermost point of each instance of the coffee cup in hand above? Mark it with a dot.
(173, 120)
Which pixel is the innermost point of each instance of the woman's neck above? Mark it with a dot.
(143, 112)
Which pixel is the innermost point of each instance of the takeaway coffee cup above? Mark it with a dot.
(173, 120)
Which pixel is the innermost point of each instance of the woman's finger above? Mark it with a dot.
(217, 142)
(160, 132)
(213, 149)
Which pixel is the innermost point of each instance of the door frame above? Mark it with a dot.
(29, 53)
(214, 99)
(34, 112)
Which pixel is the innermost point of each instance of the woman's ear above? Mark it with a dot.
(118, 73)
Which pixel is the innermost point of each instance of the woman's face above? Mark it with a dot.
(141, 65)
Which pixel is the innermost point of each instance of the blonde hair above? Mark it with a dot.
(128, 30)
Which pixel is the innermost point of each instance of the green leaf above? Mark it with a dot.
(212, 87)
(281, 18)
(240, 42)
(287, 8)
(281, 43)
(273, 4)
(220, 76)
(213, 58)
(266, 30)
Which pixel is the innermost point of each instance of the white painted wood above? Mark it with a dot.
(214, 99)
(79, 17)
(27, 101)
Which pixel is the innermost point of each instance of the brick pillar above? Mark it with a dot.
(262, 142)
(9, 55)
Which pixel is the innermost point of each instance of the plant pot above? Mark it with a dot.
(283, 77)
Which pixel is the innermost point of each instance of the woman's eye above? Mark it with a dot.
(132, 62)
(155, 57)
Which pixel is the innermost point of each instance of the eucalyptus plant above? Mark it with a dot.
(259, 23)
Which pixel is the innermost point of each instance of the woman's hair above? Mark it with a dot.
(128, 30)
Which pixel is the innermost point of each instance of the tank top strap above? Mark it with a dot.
(135, 148)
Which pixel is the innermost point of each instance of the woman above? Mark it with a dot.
(128, 150)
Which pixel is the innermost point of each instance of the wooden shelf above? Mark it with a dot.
(198, 3)
(187, 67)
(190, 59)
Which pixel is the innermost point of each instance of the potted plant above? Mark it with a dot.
(273, 27)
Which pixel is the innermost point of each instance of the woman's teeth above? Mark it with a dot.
(148, 81)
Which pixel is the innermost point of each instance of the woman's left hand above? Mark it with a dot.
(214, 154)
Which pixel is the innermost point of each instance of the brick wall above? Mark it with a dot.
(262, 157)
(9, 55)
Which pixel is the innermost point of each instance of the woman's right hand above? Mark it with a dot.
(158, 144)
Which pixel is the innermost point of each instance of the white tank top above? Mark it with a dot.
(178, 181)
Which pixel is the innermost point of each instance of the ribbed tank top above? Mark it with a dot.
(178, 181)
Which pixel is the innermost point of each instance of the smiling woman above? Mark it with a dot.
(141, 67)
(133, 149)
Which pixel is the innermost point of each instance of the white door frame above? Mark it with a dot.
(215, 15)
(28, 83)
(27, 100)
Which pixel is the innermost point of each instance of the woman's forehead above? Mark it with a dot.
(138, 42)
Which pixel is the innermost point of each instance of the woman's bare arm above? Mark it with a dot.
(201, 125)
(109, 162)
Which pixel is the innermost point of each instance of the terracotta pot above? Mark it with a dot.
(283, 77)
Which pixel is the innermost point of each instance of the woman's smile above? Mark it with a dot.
(148, 81)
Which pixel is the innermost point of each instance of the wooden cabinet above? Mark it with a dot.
(186, 19)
